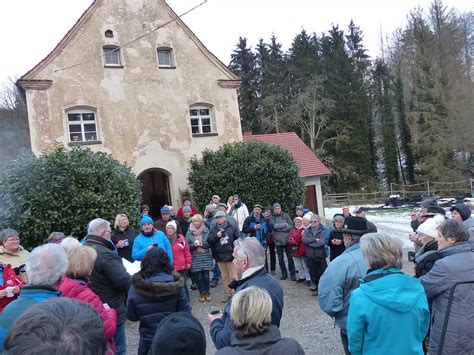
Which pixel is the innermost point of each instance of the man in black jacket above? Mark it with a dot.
(109, 279)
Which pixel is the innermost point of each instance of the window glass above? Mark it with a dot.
(112, 56)
(82, 126)
(74, 117)
(164, 57)
(200, 120)
(88, 117)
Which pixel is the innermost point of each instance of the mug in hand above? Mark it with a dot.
(10, 292)
(125, 242)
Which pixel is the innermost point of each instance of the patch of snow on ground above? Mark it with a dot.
(396, 224)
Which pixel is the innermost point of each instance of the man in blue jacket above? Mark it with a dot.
(342, 276)
(249, 263)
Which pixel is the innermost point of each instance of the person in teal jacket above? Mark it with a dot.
(388, 313)
(149, 238)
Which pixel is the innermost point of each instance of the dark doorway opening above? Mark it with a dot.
(310, 198)
(155, 190)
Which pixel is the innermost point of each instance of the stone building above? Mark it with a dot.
(131, 79)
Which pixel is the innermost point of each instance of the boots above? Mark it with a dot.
(207, 296)
(202, 298)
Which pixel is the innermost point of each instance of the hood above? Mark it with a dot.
(469, 223)
(256, 343)
(71, 288)
(159, 285)
(396, 292)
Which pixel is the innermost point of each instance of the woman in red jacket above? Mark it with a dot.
(76, 285)
(10, 285)
(182, 258)
(298, 251)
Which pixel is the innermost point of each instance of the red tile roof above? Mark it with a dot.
(308, 163)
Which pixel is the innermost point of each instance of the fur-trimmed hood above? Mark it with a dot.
(159, 285)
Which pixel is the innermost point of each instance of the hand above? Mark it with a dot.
(188, 266)
(151, 246)
(3, 293)
(413, 237)
(258, 226)
(196, 243)
(230, 200)
(120, 244)
(16, 290)
(212, 317)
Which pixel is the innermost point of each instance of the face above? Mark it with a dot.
(424, 239)
(306, 222)
(299, 213)
(220, 220)
(170, 231)
(456, 216)
(298, 224)
(240, 264)
(215, 200)
(236, 199)
(314, 223)
(12, 243)
(147, 227)
(187, 203)
(145, 211)
(165, 217)
(345, 212)
(443, 243)
(197, 224)
(186, 214)
(257, 211)
(277, 210)
(268, 213)
(339, 224)
(222, 208)
(106, 234)
(123, 222)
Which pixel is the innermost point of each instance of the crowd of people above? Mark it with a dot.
(76, 295)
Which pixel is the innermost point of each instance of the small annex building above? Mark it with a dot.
(131, 79)
(311, 169)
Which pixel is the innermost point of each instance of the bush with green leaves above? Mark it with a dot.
(259, 172)
(63, 190)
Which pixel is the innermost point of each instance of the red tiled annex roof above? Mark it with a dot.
(308, 163)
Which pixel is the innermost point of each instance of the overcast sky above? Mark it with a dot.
(30, 29)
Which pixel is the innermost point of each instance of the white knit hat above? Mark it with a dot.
(429, 226)
(308, 216)
(171, 224)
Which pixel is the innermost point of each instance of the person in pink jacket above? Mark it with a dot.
(182, 258)
(76, 285)
(298, 251)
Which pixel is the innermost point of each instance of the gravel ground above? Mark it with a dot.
(302, 319)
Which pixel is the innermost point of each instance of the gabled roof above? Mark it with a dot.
(231, 79)
(308, 163)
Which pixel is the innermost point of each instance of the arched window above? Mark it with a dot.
(82, 125)
(112, 56)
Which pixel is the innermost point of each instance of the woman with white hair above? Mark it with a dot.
(388, 304)
(250, 314)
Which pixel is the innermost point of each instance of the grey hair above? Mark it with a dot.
(7, 233)
(314, 217)
(381, 251)
(454, 230)
(55, 237)
(251, 250)
(338, 218)
(97, 226)
(251, 312)
(46, 265)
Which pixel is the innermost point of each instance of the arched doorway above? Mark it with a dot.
(155, 189)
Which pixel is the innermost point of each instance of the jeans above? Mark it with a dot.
(184, 274)
(192, 276)
(120, 340)
(202, 281)
(216, 272)
(281, 259)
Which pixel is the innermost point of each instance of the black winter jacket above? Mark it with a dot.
(151, 300)
(223, 247)
(109, 279)
(130, 233)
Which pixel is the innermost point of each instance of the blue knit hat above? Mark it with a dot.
(146, 219)
(165, 209)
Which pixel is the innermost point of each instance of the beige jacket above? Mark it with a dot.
(15, 259)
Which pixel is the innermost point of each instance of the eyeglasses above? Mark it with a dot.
(314, 222)
(14, 239)
(241, 246)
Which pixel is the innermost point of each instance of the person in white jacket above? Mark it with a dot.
(238, 210)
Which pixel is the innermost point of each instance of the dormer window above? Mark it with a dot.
(112, 56)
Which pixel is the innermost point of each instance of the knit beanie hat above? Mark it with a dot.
(171, 224)
(146, 219)
(276, 205)
(179, 334)
(429, 226)
(463, 210)
(308, 216)
(187, 209)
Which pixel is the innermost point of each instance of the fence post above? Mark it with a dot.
(428, 183)
(472, 191)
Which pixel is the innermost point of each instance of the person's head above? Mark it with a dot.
(428, 230)
(354, 228)
(248, 253)
(121, 221)
(298, 222)
(165, 213)
(178, 334)
(81, 262)
(236, 198)
(171, 228)
(268, 211)
(222, 207)
(345, 212)
(57, 326)
(55, 237)
(10, 239)
(276, 209)
(186, 201)
(146, 224)
(299, 211)
(360, 212)
(460, 212)
(315, 220)
(196, 220)
(210, 211)
(221, 217)
(187, 211)
(307, 220)
(380, 251)
(450, 232)
(155, 261)
(70, 243)
(338, 221)
(144, 209)
(215, 199)
(100, 227)
(46, 265)
(251, 312)
(257, 210)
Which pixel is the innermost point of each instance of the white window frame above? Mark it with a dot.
(170, 55)
(200, 117)
(82, 122)
(115, 49)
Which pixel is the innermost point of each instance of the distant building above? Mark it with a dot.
(152, 102)
(310, 168)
